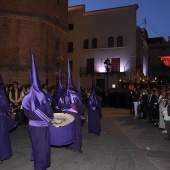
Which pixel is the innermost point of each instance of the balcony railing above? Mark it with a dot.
(92, 70)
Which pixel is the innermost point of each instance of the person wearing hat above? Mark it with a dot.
(70, 102)
(6, 125)
(94, 112)
(57, 93)
(38, 110)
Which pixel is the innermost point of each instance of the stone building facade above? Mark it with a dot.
(97, 35)
(38, 25)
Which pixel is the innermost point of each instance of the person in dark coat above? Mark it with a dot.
(6, 125)
(57, 93)
(144, 105)
(94, 112)
(70, 102)
(37, 109)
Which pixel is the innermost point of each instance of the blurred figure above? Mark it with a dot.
(144, 105)
(162, 103)
(6, 125)
(136, 102)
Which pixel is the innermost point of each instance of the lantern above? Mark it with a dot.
(165, 60)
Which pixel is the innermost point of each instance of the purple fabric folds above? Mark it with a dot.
(93, 99)
(34, 98)
(6, 124)
(57, 93)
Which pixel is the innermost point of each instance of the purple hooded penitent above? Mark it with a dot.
(70, 102)
(38, 110)
(57, 93)
(35, 97)
(94, 112)
(69, 95)
(93, 99)
(6, 124)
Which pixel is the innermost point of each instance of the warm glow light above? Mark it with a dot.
(101, 69)
(165, 60)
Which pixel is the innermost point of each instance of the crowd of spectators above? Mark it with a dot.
(146, 104)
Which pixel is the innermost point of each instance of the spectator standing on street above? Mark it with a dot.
(15, 97)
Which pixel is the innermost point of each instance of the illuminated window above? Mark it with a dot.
(120, 41)
(86, 44)
(110, 42)
(115, 65)
(94, 43)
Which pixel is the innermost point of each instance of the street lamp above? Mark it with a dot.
(107, 69)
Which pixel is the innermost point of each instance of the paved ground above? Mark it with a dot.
(121, 146)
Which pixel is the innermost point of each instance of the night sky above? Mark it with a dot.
(156, 12)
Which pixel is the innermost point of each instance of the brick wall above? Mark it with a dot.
(26, 24)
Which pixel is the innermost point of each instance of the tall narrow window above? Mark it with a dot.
(115, 64)
(86, 44)
(94, 43)
(70, 26)
(110, 42)
(90, 65)
(119, 41)
(70, 47)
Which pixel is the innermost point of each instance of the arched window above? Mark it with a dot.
(86, 44)
(94, 43)
(119, 41)
(110, 42)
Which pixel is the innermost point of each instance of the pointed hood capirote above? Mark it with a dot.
(35, 81)
(93, 99)
(56, 95)
(60, 85)
(34, 97)
(70, 94)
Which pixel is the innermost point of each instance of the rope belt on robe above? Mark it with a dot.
(40, 123)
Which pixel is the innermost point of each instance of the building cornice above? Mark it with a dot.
(102, 11)
(78, 7)
(31, 17)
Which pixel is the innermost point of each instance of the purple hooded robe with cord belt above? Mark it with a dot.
(75, 108)
(70, 102)
(94, 112)
(38, 110)
(6, 125)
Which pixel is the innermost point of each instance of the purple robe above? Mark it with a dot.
(6, 125)
(67, 108)
(40, 137)
(94, 116)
